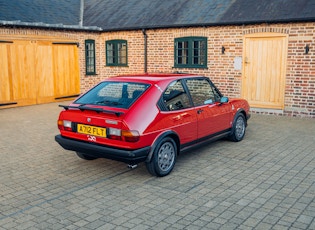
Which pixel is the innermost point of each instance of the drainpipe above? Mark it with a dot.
(145, 50)
(81, 13)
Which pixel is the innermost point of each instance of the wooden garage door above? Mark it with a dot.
(37, 72)
(66, 70)
(264, 62)
(5, 75)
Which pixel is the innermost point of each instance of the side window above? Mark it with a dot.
(201, 91)
(217, 94)
(175, 97)
(90, 57)
(116, 53)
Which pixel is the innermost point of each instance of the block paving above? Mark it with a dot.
(265, 181)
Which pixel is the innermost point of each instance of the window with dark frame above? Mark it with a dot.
(116, 53)
(190, 52)
(90, 57)
(175, 97)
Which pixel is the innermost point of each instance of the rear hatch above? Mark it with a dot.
(98, 115)
(93, 124)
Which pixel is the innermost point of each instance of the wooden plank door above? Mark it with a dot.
(264, 64)
(44, 72)
(5, 76)
(23, 72)
(66, 70)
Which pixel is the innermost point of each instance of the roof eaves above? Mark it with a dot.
(268, 21)
(221, 23)
(50, 26)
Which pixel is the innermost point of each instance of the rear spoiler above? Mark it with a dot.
(98, 110)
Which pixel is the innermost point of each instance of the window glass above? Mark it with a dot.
(116, 53)
(201, 91)
(175, 97)
(182, 57)
(114, 94)
(110, 53)
(90, 57)
(122, 52)
(199, 52)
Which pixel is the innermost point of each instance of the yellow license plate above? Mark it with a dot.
(91, 130)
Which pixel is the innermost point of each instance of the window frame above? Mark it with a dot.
(214, 92)
(116, 57)
(190, 55)
(166, 103)
(90, 60)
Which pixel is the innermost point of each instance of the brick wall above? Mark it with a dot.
(300, 67)
(300, 81)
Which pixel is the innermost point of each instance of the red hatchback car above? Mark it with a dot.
(149, 118)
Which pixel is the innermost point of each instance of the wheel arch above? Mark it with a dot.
(240, 111)
(168, 133)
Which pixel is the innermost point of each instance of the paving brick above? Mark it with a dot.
(265, 181)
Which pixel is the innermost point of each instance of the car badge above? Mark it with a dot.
(88, 119)
(111, 122)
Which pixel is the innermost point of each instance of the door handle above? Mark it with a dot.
(179, 117)
(176, 118)
(185, 115)
(199, 111)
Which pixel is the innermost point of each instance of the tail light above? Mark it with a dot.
(124, 135)
(130, 135)
(65, 125)
(112, 133)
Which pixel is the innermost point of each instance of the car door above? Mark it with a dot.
(213, 117)
(178, 112)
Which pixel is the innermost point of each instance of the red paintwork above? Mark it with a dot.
(145, 116)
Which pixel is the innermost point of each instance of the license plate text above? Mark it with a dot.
(91, 130)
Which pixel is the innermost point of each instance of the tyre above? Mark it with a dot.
(238, 129)
(85, 157)
(164, 158)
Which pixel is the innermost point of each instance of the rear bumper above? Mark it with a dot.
(100, 151)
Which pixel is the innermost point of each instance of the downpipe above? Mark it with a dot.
(145, 50)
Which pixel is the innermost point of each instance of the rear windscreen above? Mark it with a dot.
(113, 94)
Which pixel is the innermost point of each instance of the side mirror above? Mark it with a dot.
(224, 100)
